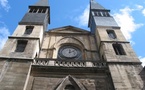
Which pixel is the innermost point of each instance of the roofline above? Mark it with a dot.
(68, 26)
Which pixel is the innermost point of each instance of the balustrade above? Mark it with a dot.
(68, 63)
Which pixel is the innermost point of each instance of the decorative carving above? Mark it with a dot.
(69, 63)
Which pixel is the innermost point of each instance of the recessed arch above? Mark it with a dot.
(69, 40)
(69, 87)
(69, 82)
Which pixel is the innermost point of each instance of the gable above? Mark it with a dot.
(69, 29)
(69, 80)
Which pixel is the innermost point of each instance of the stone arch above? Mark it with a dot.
(69, 87)
(69, 40)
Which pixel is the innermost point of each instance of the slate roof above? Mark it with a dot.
(105, 21)
(95, 5)
(101, 20)
(42, 3)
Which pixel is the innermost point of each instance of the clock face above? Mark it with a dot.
(69, 52)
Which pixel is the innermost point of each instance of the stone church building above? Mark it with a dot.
(68, 57)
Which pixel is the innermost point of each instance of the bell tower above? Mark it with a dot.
(124, 65)
(26, 40)
(23, 46)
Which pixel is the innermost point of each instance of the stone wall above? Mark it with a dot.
(13, 74)
(84, 82)
(126, 77)
(69, 35)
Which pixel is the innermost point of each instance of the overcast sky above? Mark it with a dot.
(129, 14)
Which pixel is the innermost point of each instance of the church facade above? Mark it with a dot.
(68, 57)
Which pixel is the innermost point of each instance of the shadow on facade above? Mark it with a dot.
(142, 75)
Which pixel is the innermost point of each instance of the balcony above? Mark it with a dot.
(68, 63)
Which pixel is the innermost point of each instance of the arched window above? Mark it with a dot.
(69, 87)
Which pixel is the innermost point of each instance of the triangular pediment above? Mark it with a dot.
(69, 29)
(71, 82)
